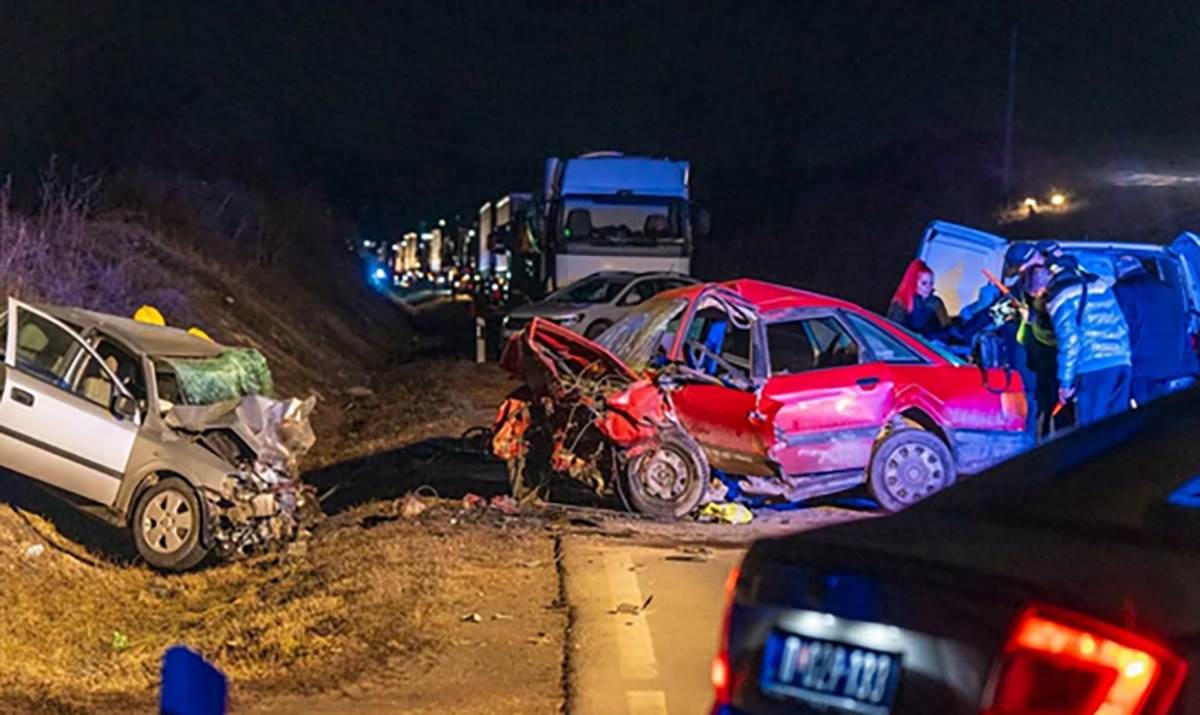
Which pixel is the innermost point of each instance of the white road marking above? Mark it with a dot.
(634, 643)
(646, 702)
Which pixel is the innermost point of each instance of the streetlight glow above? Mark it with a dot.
(1057, 199)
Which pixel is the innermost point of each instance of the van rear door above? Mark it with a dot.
(958, 256)
(1187, 247)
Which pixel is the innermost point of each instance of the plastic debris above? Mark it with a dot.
(727, 512)
(411, 506)
(35, 551)
(472, 618)
(120, 641)
(503, 503)
(691, 558)
(632, 609)
(471, 500)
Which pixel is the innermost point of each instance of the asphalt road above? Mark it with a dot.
(626, 660)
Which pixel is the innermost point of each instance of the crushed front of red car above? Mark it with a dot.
(580, 403)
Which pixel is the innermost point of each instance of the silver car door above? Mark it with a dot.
(49, 430)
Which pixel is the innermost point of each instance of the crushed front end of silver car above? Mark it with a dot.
(261, 504)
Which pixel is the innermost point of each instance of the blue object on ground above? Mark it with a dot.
(1188, 495)
(191, 685)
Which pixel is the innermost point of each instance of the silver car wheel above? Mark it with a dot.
(665, 474)
(167, 522)
(913, 472)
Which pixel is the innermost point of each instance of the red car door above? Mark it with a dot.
(826, 399)
(721, 341)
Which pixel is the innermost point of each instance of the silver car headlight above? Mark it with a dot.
(569, 319)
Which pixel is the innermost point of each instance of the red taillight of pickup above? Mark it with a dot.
(721, 675)
(1060, 662)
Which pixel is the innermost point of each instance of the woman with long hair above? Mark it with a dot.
(915, 306)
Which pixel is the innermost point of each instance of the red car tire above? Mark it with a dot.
(907, 466)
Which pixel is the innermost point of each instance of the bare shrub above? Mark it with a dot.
(59, 255)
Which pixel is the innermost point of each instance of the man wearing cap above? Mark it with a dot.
(1035, 333)
(1158, 340)
(1091, 335)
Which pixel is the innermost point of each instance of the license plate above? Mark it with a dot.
(829, 676)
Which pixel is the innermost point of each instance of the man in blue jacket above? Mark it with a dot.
(1094, 360)
(1158, 331)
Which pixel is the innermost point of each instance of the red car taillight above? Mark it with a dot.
(720, 665)
(1061, 663)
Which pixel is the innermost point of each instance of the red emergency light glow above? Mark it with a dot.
(1063, 663)
(720, 665)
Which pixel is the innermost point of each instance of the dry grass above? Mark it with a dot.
(303, 622)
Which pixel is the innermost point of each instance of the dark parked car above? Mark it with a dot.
(1064, 581)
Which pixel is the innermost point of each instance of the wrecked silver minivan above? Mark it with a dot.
(155, 430)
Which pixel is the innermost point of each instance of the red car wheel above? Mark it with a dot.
(908, 466)
(668, 480)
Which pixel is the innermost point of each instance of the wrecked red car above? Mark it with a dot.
(793, 394)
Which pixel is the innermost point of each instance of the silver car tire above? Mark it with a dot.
(168, 524)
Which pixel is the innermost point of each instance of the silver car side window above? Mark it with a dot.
(45, 350)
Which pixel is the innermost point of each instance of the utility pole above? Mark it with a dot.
(1006, 176)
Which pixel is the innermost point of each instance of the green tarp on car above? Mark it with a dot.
(234, 373)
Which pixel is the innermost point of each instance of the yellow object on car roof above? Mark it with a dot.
(149, 314)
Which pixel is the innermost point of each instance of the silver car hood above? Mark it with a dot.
(278, 431)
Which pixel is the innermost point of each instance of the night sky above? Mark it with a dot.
(410, 110)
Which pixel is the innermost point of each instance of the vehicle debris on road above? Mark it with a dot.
(727, 512)
(411, 506)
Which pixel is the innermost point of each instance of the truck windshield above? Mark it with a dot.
(623, 220)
